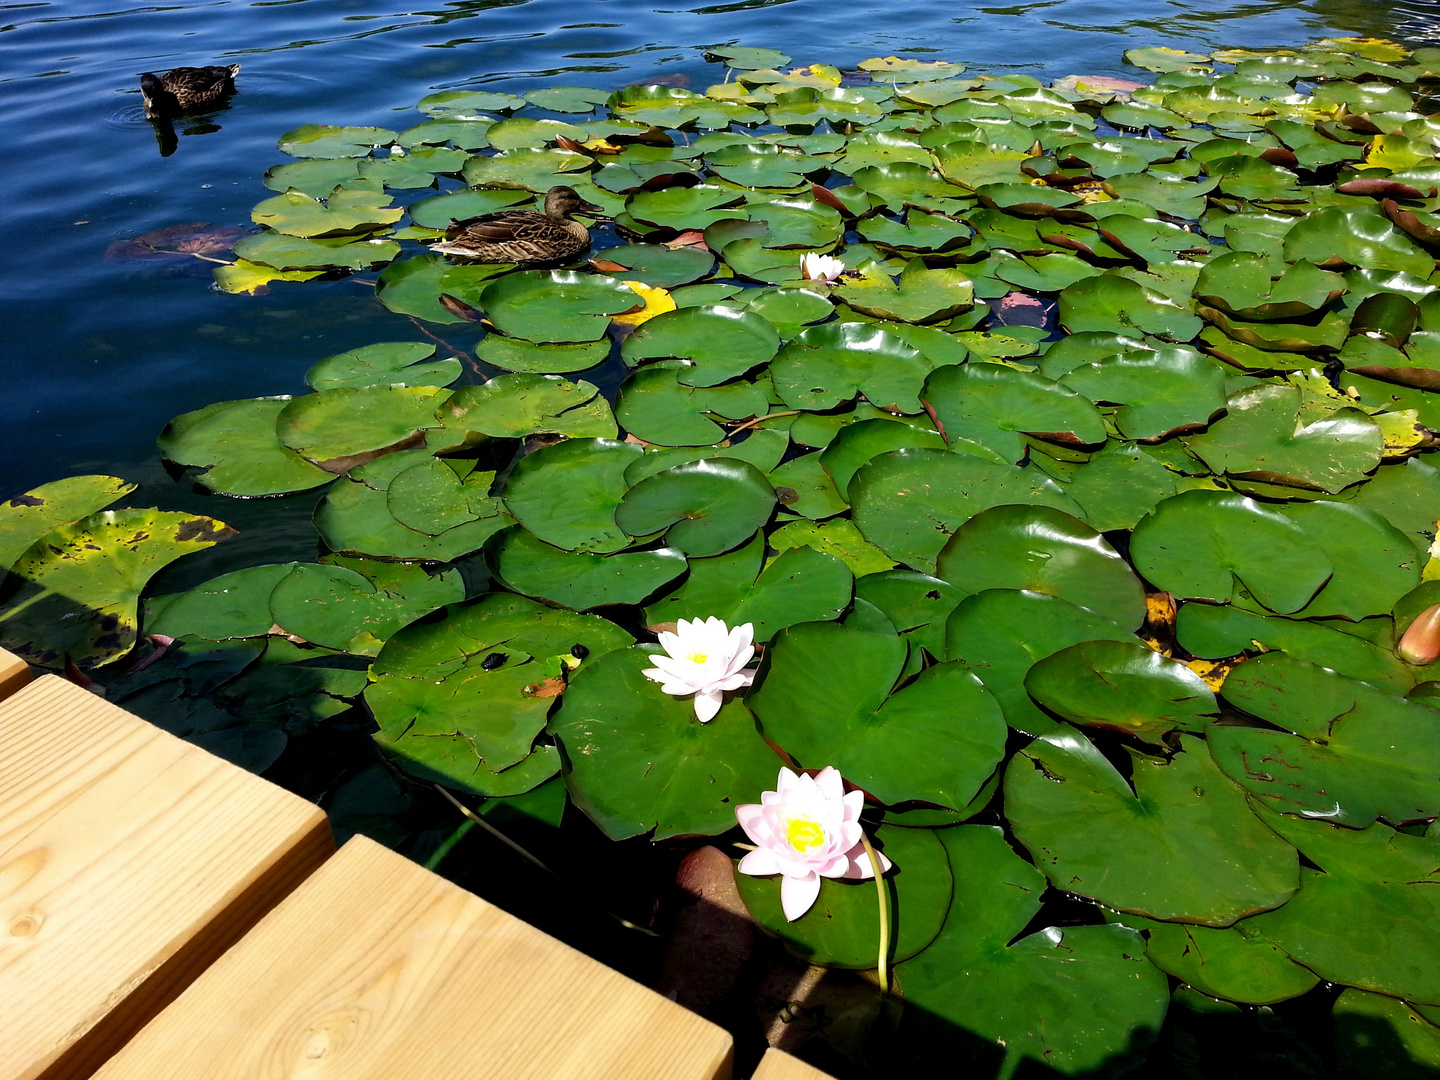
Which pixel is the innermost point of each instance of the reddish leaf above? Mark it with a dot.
(456, 306)
(1380, 188)
(1408, 222)
(825, 195)
(1279, 155)
(607, 266)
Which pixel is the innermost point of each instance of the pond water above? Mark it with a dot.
(101, 351)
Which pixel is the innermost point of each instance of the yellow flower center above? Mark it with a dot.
(804, 834)
(699, 657)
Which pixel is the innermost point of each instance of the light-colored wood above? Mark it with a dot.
(778, 1065)
(377, 969)
(129, 860)
(14, 673)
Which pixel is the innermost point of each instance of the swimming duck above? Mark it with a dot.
(522, 236)
(186, 89)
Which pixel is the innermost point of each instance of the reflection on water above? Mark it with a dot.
(102, 352)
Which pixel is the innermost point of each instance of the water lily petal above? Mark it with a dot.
(830, 785)
(860, 868)
(707, 704)
(759, 863)
(797, 895)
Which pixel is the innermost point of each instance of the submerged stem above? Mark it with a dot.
(883, 966)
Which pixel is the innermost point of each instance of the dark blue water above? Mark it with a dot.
(99, 353)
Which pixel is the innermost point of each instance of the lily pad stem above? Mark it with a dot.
(478, 820)
(761, 419)
(882, 968)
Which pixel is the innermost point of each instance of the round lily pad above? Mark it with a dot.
(580, 579)
(235, 442)
(391, 363)
(637, 760)
(1124, 686)
(842, 928)
(567, 494)
(995, 405)
(512, 406)
(1043, 550)
(346, 426)
(1206, 858)
(718, 342)
(557, 305)
(825, 365)
(703, 507)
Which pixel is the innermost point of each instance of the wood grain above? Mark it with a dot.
(778, 1065)
(377, 969)
(14, 673)
(129, 860)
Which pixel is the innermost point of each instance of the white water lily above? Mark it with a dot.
(821, 267)
(806, 829)
(704, 659)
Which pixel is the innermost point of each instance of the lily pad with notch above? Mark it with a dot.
(703, 507)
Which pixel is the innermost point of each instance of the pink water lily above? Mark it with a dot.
(806, 829)
(704, 659)
(815, 267)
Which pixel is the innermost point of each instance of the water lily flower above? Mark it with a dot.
(806, 829)
(825, 268)
(704, 659)
(1420, 644)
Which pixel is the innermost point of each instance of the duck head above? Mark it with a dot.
(562, 201)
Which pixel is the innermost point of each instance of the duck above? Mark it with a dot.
(186, 89)
(522, 236)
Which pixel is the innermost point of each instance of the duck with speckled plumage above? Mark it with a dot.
(186, 89)
(522, 236)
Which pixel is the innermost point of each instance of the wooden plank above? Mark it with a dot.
(778, 1065)
(129, 860)
(376, 968)
(14, 673)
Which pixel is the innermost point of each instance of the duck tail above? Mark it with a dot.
(234, 70)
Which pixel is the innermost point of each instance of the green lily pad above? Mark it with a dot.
(718, 342)
(1373, 563)
(513, 406)
(329, 141)
(529, 169)
(358, 516)
(823, 696)
(348, 210)
(1216, 632)
(1120, 484)
(842, 928)
(517, 354)
(1236, 963)
(415, 286)
(1363, 236)
(453, 102)
(919, 296)
(1366, 918)
(1109, 303)
(290, 253)
(437, 213)
(1158, 392)
(556, 305)
(347, 426)
(905, 181)
(231, 606)
(1354, 753)
(467, 134)
(392, 363)
(997, 405)
(837, 537)
(80, 583)
(339, 608)
(747, 58)
(654, 405)
(999, 634)
(576, 579)
(567, 494)
(703, 507)
(859, 443)
(659, 266)
(1263, 437)
(1077, 999)
(908, 502)
(800, 585)
(1386, 1035)
(1199, 543)
(1212, 861)
(681, 208)
(637, 760)
(1043, 550)
(1123, 686)
(316, 177)
(825, 365)
(236, 444)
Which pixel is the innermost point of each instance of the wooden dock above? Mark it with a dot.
(165, 914)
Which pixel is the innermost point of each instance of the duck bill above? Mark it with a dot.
(591, 209)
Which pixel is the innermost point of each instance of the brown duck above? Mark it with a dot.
(522, 236)
(186, 89)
